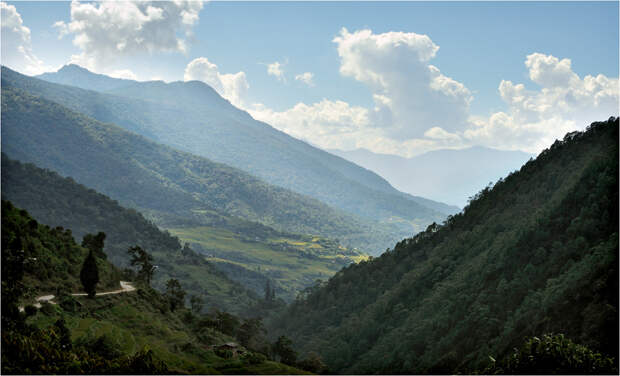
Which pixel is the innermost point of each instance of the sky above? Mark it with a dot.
(396, 78)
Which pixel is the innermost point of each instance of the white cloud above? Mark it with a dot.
(107, 31)
(276, 69)
(535, 118)
(232, 86)
(408, 91)
(306, 77)
(418, 109)
(123, 73)
(16, 43)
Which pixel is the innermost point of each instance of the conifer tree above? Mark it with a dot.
(89, 274)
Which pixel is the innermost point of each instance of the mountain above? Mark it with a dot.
(161, 181)
(192, 117)
(536, 253)
(446, 175)
(246, 252)
(59, 201)
(74, 75)
(131, 331)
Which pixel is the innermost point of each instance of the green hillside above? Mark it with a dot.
(246, 252)
(62, 202)
(51, 259)
(536, 253)
(159, 180)
(136, 332)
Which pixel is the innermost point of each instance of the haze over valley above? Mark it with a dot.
(198, 187)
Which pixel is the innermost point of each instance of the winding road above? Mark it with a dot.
(125, 287)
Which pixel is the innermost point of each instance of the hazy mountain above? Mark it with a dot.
(450, 176)
(161, 181)
(238, 248)
(537, 253)
(75, 75)
(191, 116)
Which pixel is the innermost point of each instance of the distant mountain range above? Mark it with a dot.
(191, 116)
(450, 176)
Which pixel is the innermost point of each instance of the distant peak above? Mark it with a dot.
(73, 67)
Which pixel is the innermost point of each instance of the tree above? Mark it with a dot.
(140, 258)
(270, 292)
(249, 330)
(284, 349)
(175, 294)
(196, 303)
(90, 274)
(95, 244)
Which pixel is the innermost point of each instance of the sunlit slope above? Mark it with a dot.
(151, 177)
(290, 262)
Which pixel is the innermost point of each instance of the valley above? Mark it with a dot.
(325, 188)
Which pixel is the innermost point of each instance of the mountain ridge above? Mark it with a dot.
(213, 128)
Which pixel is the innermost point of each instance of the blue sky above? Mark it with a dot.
(480, 45)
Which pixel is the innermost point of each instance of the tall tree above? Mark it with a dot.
(141, 259)
(90, 274)
(175, 294)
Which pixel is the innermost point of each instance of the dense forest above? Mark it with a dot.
(535, 253)
(161, 181)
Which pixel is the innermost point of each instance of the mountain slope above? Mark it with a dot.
(130, 333)
(537, 253)
(211, 127)
(247, 252)
(144, 175)
(448, 175)
(62, 202)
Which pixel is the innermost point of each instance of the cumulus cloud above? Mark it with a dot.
(107, 31)
(535, 118)
(232, 86)
(276, 69)
(408, 91)
(418, 109)
(306, 77)
(16, 43)
(410, 97)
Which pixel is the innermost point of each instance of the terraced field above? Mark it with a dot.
(290, 263)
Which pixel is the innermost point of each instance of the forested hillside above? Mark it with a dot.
(62, 202)
(50, 256)
(536, 253)
(191, 116)
(159, 180)
(139, 331)
(247, 252)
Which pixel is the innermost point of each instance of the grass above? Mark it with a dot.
(291, 263)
